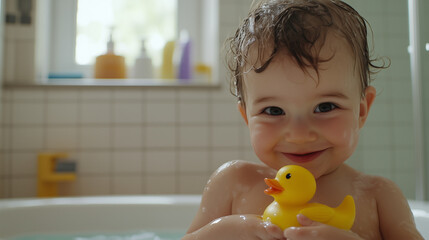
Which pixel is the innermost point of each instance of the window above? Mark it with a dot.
(129, 21)
(71, 33)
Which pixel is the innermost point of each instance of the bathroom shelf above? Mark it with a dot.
(128, 82)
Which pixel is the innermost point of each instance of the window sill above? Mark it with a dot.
(91, 82)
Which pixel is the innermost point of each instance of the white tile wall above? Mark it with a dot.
(19, 53)
(193, 161)
(94, 162)
(61, 113)
(61, 138)
(95, 112)
(94, 185)
(163, 141)
(127, 184)
(22, 163)
(160, 137)
(22, 111)
(160, 112)
(194, 136)
(161, 184)
(95, 137)
(161, 161)
(125, 162)
(27, 138)
(193, 112)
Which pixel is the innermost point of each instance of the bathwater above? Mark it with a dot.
(141, 235)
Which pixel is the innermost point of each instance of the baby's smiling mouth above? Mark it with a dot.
(303, 157)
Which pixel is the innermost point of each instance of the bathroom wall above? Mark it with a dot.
(1, 70)
(424, 40)
(169, 140)
(386, 146)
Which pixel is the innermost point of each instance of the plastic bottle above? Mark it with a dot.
(110, 65)
(143, 65)
(203, 73)
(184, 68)
(167, 67)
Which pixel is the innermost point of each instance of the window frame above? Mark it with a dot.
(56, 40)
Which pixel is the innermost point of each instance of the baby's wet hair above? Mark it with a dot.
(297, 28)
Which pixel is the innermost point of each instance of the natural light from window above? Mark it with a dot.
(131, 21)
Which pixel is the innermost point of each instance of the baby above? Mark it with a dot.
(302, 76)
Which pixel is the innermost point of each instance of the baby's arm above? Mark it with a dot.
(214, 219)
(249, 227)
(395, 216)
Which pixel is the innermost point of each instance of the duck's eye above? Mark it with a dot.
(325, 107)
(274, 111)
(288, 176)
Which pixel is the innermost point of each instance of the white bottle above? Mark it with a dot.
(143, 65)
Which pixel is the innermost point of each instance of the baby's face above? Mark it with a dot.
(295, 117)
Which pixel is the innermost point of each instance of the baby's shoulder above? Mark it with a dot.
(240, 171)
(394, 214)
(241, 168)
(231, 179)
(379, 187)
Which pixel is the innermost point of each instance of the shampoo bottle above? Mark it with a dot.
(143, 65)
(110, 65)
(184, 68)
(167, 67)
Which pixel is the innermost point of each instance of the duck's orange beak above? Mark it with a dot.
(274, 187)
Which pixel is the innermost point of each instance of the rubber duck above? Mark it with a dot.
(291, 189)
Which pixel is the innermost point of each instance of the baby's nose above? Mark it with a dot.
(299, 131)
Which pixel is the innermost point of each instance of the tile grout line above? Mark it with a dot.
(177, 144)
(143, 180)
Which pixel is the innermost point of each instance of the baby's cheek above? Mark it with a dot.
(351, 138)
(263, 138)
(259, 140)
(344, 133)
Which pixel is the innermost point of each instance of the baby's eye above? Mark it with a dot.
(325, 107)
(274, 111)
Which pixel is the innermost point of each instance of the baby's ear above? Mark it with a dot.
(365, 104)
(242, 110)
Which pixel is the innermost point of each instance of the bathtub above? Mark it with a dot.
(116, 214)
(96, 216)
(421, 215)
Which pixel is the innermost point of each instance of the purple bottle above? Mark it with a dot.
(185, 64)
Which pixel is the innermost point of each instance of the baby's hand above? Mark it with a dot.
(315, 230)
(257, 229)
(233, 227)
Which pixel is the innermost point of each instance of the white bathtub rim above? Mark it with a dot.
(103, 200)
(185, 204)
(103, 214)
(418, 206)
(420, 209)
